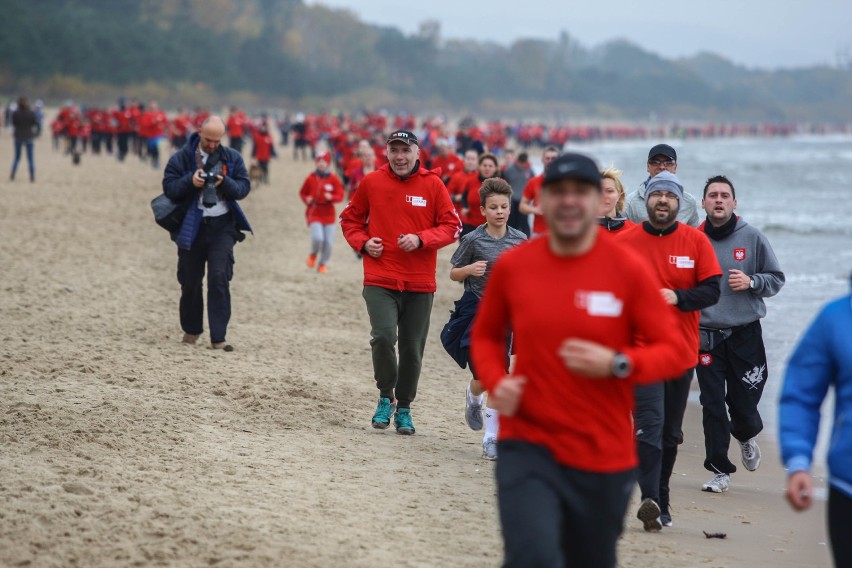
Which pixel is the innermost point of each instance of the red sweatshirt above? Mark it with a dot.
(531, 191)
(681, 260)
(386, 206)
(474, 213)
(320, 194)
(607, 295)
(456, 186)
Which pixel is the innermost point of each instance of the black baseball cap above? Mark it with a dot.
(573, 166)
(662, 149)
(403, 136)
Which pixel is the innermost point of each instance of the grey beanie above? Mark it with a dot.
(664, 181)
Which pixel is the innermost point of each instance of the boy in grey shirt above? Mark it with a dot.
(472, 264)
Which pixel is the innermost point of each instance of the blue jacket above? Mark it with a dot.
(822, 359)
(177, 185)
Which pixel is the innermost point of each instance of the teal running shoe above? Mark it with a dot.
(402, 421)
(384, 411)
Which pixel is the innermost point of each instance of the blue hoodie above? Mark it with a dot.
(822, 359)
(177, 185)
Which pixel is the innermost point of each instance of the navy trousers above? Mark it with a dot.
(214, 249)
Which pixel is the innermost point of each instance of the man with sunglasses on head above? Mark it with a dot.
(661, 157)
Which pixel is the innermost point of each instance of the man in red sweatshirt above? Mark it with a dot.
(397, 220)
(576, 300)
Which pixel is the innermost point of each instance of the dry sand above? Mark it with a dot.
(120, 446)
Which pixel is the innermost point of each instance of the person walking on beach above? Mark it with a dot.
(661, 158)
(472, 262)
(566, 450)
(689, 273)
(732, 368)
(518, 173)
(26, 127)
(822, 359)
(471, 210)
(214, 222)
(320, 191)
(529, 201)
(397, 220)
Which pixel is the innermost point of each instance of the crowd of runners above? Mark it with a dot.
(585, 310)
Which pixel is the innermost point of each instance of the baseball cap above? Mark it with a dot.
(663, 149)
(403, 136)
(664, 181)
(573, 166)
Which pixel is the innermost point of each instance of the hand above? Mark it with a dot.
(196, 178)
(477, 268)
(669, 296)
(219, 180)
(587, 358)
(327, 195)
(800, 490)
(374, 247)
(738, 280)
(506, 396)
(309, 200)
(409, 242)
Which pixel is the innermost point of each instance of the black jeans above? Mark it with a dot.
(658, 419)
(840, 527)
(213, 247)
(557, 516)
(731, 377)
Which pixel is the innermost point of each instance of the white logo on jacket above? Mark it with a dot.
(681, 261)
(599, 304)
(416, 200)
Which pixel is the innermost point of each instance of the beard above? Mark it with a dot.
(663, 216)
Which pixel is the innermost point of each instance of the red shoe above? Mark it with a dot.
(322, 269)
(312, 260)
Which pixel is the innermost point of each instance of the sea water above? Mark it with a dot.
(798, 191)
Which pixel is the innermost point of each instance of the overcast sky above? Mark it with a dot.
(755, 33)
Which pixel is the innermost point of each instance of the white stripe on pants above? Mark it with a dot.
(322, 239)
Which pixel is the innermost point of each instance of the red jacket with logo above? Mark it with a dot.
(681, 259)
(320, 194)
(607, 295)
(387, 206)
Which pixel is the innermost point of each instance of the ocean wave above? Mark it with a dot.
(835, 230)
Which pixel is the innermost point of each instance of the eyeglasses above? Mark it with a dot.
(665, 164)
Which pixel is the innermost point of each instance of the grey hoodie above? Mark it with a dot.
(745, 249)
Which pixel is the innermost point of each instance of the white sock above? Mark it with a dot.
(492, 423)
(473, 399)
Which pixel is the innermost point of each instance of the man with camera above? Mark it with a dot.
(209, 178)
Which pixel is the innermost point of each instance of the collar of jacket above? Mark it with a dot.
(652, 230)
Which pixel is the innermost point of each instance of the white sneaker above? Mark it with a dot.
(472, 410)
(718, 484)
(489, 449)
(751, 454)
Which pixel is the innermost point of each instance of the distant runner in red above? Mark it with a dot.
(529, 201)
(567, 455)
(320, 191)
(459, 180)
(263, 149)
(398, 219)
(236, 125)
(471, 214)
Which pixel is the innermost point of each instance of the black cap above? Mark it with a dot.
(573, 166)
(663, 149)
(403, 136)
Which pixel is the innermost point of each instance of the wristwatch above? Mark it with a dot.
(752, 283)
(621, 366)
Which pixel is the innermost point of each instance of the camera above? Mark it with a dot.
(208, 198)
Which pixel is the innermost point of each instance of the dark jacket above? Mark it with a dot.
(177, 185)
(25, 122)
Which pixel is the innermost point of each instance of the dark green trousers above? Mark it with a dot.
(401, 317)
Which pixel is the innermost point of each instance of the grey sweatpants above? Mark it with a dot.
(322, 240)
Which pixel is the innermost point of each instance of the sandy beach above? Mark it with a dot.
(120, 446)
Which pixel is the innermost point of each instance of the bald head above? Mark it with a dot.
(211, 132)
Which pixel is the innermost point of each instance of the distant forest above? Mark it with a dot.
(288, 53)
